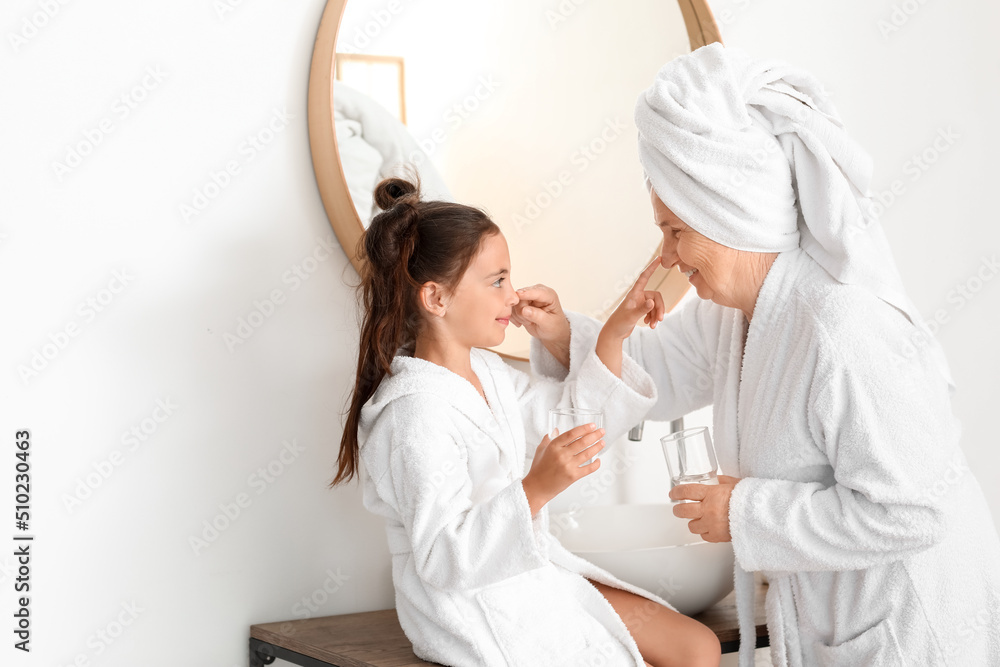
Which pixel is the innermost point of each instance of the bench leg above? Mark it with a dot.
(734, 646)
(261, 653)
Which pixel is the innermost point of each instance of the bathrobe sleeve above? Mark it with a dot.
(624, 400)
(679, 355)
(457, 545)
(884, 423)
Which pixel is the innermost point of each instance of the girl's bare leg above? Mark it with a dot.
(664, 637)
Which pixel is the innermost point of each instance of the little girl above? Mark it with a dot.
(441, 425)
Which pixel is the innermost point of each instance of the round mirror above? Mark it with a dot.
(520, 109)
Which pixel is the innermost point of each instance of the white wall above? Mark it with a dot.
(162, 335)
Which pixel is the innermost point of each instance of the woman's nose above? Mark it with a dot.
(668, 257)
(668, 253)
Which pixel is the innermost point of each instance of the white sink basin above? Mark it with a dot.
(646, 545)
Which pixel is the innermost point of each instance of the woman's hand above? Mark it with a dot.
(710, 514)
(557, 463)
(638, 302)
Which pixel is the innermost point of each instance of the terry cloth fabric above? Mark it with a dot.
(478, 581)
(855, 498)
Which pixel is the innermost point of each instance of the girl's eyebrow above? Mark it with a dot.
(501, 272)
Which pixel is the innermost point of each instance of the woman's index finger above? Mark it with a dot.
(647, 273)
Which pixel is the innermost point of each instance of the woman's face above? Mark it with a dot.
(478, 311)
(715, 267)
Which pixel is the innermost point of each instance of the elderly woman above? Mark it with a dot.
(830, 397)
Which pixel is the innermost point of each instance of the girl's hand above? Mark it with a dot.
(557, 463)
(638, 302)
(541, 314)
(710, 514)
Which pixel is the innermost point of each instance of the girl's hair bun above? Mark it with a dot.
(389, 239)
(392, 191)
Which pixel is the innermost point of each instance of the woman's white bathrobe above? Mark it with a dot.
(856, 500)
(478, 581)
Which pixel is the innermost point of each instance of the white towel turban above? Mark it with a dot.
(752, 154)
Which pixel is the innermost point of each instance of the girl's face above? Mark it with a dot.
(711, 267)
(478, 312)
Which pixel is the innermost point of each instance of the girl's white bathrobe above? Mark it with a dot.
(856, 501)
(478, 581)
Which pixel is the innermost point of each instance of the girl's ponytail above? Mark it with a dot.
(410, 243)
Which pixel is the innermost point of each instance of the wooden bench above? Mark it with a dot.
(374, 638)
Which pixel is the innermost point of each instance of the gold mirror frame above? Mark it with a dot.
(701, 28)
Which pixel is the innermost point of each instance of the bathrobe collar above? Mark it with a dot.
(412, 375)
(774, 292)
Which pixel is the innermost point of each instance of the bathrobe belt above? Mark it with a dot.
(399, 541)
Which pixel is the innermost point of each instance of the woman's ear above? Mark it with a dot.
(433, 298)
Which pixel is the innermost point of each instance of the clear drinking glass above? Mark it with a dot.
(690, 457)
(564, 419)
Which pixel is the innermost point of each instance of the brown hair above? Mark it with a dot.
(409, 243)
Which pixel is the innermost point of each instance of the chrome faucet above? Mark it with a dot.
(635, 433)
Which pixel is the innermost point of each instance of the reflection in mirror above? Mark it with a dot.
(525, 111)
(374, 144)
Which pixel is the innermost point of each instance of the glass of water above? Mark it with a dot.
(564, 419)
(690, 457)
